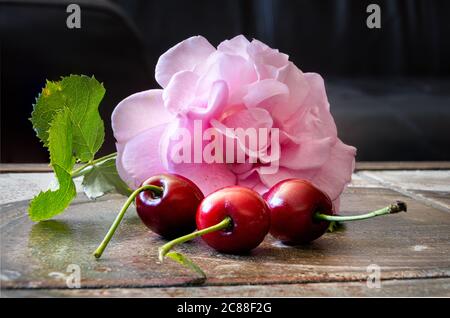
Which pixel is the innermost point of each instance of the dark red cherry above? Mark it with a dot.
(166, 203)
(292, 204)
(249, 214)
(301, 213)
(172, 212)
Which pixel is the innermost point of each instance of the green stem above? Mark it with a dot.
(77, 172)
(393, 208)
(157, 190)
(163, 250)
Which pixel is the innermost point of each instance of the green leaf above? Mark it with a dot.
(81, 95)
(66, 119)
(103, 178)
(48, 103)
(49, 203)
(185, 261)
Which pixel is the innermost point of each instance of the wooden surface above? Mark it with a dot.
(411, 249)
(372, 165)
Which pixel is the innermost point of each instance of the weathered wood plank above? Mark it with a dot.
(405, 245)
(438, 180)
(443, 197)
(430, 187)
(439, 287)
(24, 186)
(359, 180)
(402, 165)
(361, 165)
(24, 167)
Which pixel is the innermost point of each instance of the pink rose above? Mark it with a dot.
(240, 84)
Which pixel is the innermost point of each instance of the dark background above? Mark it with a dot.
(389, 88)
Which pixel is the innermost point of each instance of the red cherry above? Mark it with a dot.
(300, 212)
(231, 220)
(166, 203)
(250, 219)
(236, 219)
(172, 212)
(292, 204)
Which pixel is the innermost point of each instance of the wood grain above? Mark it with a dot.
(412, 249)
(388, 288)
(368, 165)
(401, 244)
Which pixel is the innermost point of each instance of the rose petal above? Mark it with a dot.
(208, 177)
(240, 168)
(275, 58)
(182, 57)
(260, 188)
(252, 181)
(217, 101)
(180, 92)
(251, 118)
(267, 61)
(313, 119)
(120, 169)
(337, 171)
(283, 173)
(134, 114)
(140, 157)
(235, 70)
(261, 91)
(317, 94)
(237, 45)
(298, 88)
(257, 47)
(336, 204)
(309, 154)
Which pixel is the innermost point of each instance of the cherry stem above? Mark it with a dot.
(224, 224)
(393, 208)
(79, 172)
(155, 189)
